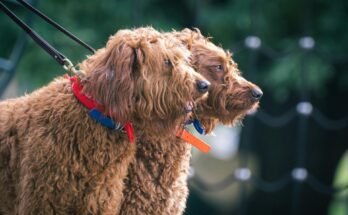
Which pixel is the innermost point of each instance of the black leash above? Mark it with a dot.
(56, 25)
(59, 57)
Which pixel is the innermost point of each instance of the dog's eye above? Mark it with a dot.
(219, 68)
(167, 62)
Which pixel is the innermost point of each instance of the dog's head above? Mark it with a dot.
(143, 77)
(230, 95)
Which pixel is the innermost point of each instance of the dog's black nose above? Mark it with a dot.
(203, 86)
(256, 93)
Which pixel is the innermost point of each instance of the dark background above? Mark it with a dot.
(265, 37)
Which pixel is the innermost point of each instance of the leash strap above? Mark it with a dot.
(59, 57)
(56, 25)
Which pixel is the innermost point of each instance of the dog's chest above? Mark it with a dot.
(157, 178)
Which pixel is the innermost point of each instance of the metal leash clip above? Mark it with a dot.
(68, 66)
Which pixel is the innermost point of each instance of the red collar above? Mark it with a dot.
(96, 110)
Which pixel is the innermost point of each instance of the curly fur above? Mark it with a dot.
(55, 159)
(157, 178)
(230, 94)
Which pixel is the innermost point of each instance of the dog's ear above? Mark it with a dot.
(110, 79)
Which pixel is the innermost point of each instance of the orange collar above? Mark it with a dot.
(183, 134)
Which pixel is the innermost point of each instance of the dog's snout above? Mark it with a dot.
(203, 86)
(256, 93)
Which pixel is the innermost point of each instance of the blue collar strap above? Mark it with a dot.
(104, 120)
(197, 125)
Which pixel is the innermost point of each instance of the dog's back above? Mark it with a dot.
(9, 162)
(50, 150)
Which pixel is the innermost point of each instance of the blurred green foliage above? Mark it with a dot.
(338, 205)
(286, 73)
(279, 24)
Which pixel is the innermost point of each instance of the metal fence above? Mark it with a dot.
(303, 111)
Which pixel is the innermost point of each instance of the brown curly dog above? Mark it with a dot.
(58, 157)
(157, 178)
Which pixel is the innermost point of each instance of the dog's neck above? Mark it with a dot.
(96, 111)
